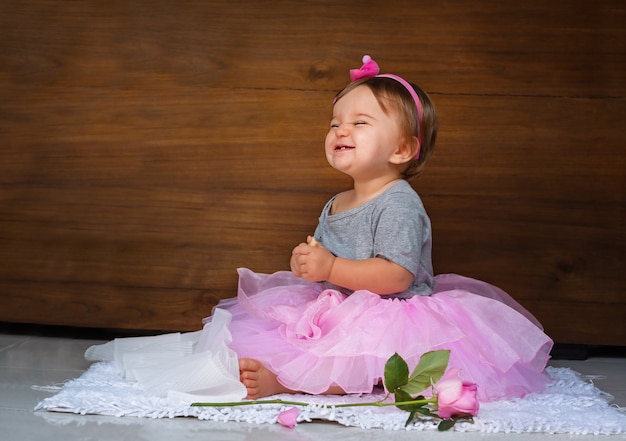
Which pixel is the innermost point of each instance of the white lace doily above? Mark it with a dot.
(569, 405)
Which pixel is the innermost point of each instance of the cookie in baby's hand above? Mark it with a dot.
(312, 242)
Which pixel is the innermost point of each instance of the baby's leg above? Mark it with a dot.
(261, 382)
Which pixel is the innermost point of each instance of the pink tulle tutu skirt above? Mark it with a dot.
(313, 338)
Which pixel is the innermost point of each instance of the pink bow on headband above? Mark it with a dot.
(368, 70)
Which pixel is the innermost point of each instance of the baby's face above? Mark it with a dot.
(362, 138)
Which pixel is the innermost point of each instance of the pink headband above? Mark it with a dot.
(370, 69)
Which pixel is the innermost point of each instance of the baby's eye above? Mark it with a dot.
(334, 125)
(360, 123)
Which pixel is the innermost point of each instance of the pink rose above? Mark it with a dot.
(287, 418)
(455, 396)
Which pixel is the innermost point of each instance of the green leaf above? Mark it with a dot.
(429, 370)
(426, 412)
(409, 420)
(396, 373)
(402, 397)
(446, 425)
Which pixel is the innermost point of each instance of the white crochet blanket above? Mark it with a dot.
(569, 405)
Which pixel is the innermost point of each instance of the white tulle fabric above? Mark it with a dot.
(189, 367)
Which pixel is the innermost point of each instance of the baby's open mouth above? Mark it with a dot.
(343, 147)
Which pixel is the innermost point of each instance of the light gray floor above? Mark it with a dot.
(27, 360)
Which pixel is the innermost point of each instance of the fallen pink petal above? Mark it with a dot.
(288, 417)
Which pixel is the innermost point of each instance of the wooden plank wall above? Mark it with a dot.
(148, 148)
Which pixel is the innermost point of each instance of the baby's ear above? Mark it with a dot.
(408, 150)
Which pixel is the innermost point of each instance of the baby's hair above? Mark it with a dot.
(389, 92)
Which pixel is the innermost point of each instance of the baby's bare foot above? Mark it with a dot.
(258, 380)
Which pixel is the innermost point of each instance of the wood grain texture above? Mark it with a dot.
(149, 148)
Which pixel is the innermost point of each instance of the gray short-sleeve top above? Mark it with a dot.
(392, 226)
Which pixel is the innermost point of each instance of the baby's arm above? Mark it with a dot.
(314, 263)
(376, 275)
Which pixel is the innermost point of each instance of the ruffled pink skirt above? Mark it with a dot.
(313, 338)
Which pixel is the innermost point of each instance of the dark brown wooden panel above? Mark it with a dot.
(583, 321)
(149, 148)
(558, 48)
(106, 306)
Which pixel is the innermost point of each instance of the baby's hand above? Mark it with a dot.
(311, 261)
